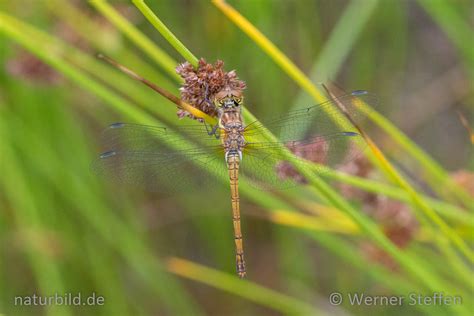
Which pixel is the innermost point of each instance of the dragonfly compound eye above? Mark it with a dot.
(220, 102)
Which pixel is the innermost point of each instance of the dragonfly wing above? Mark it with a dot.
(159, 159)
(268, 166)
(146, 136)
(320, 134)
(321, 119)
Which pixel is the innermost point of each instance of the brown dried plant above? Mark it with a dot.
(201, 84)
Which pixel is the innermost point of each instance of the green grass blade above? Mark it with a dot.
(183, 304)
(165, 32)
(342, 38)
(435, 174)
(446, 15)
(445, 209)
(242, 288)
(159, 56)
(26, 203)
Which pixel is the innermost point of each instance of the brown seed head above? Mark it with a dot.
(395, 218)
(314, 150)
(397, 222)
(28, 67)
(201, 85)
(360, 166)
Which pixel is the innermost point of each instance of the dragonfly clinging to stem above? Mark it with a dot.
(163, 159)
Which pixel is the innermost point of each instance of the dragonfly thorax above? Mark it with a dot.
(233, 139)
(232, 126)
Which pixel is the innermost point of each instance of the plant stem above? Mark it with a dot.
(159, 56)
(243, 288)
(278, 57)
(165, 32)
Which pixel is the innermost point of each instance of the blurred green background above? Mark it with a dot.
(62, 230)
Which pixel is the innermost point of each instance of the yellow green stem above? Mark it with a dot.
(159, 56)
(165, 32)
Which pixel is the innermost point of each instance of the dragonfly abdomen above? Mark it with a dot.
(233, 162)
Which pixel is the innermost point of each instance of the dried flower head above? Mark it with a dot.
(397, 220)
(285, 170)
(202, 84)
(394, 218)
(378, 255)
(398, 224)
(361, 167)
(314, 151)
(28, 67)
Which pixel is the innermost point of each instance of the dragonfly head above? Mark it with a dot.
(228, 98)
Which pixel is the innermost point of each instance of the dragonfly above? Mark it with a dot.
(171, 160)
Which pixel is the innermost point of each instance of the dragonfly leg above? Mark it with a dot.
(206, 98)
(206, 95)
(213, 131)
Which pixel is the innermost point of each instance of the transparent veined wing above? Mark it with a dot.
(160, 159)
(321, 119)
(268, 167)
(319, 134)
(143, 136)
